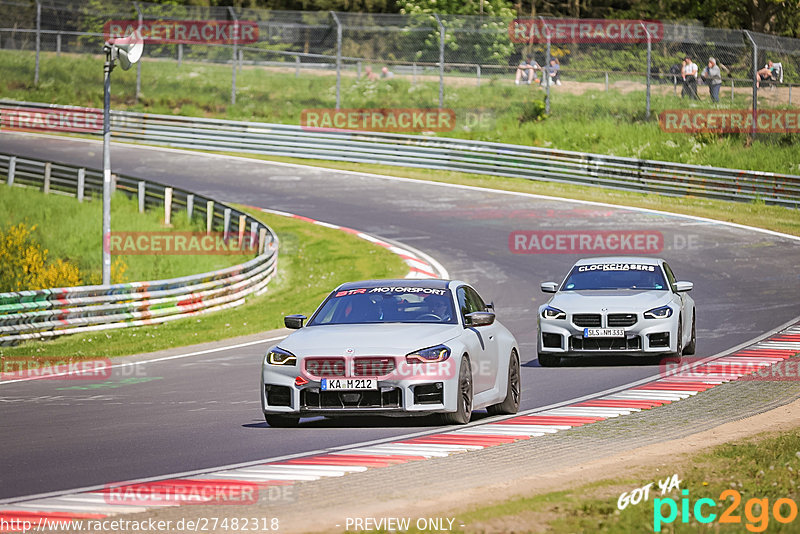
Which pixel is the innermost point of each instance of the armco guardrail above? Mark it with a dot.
(441, 153)
(46, 313)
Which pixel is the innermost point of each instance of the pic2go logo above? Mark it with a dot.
(756, 511)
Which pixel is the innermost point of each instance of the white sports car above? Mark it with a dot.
(393, 347)
(616, 305)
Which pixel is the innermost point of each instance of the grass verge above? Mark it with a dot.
(72, 231)
(764, 468)
(312, 261)
(581, 118)
(756, 214)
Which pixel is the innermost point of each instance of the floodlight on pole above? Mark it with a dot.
(127, 50)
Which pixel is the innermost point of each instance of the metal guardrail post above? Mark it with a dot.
(138, 63)
(606, 82)
(12, 167)
(241, 227)
(233, 74)
(142, 195)
(48, 169)
(296, 66)
(755, 82)
(209, 216)
(338, 59)
(189, 206)
(226, 224)
(58, 44)
(478, 73)
(253, 233)
(38, 41)
(180, 54)
(81, 184)
(167, 206)
(441, 60)
(649, 64)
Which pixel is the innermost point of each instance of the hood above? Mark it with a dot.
(625, 301)
(368, 339)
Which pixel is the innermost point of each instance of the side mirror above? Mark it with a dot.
(549, 287)
(294, 321)
(479, 318)
(682, 287)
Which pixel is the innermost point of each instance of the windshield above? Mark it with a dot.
(615, 276)
(391, 304)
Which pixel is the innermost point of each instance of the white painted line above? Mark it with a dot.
(403, 451)
(54, 505)
(303, 471)
(658, 396)
(543, 428)
(591, 411)
(252, 477)
(318, 467)
(481, 431)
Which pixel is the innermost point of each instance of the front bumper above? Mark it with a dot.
(434, 390)
(647, 337)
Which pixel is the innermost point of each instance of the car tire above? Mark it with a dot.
(281, 421)
(510, 404)
(676, 356)
(549, 360)
(462, 415)
(690, 348)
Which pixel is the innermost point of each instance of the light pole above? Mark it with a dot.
(127, 51)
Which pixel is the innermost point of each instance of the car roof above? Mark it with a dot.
(432, 283)
(620, 259)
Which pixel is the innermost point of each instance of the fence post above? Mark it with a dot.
(732, 84)
(414, 73)
(209, 215)
(478, 72)
(81, 184)
(58, 44)
(38, 41)
(606, 81)
(138, 63)
(168, 206)
(142, 194)
(755, 82)
(253, 232)
(790, 94)
(649, 61)
(241, 59)
(226, 225)
(189, 206)
(180, 54)
(338, 59)
(441, 60)
(296, 66)
(358, 69)
(233, 74)
(48, 167)
(12, 167)
(545, 72)
(262, 240)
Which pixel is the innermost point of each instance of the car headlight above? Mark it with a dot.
(658, 313)
(439, 353)
(278, 356)
(553, 313)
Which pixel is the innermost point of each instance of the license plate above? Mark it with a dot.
(603, 332)
(336, 384)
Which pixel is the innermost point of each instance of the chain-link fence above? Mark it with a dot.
(470, 63)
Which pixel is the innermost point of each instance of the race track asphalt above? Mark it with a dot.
(203, 411)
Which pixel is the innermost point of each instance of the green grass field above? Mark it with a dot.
(73, 231)
(313, 260)
(591, 121)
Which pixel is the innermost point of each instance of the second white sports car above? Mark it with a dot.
(617, 305)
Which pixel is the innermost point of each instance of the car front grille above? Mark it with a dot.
(607, 344)
(621, 319)
(586, 320)
(325, 366)
(315, 399)
(379, 366)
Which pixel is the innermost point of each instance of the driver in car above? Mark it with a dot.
(438, 306)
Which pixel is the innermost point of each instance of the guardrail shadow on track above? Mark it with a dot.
(47, 313)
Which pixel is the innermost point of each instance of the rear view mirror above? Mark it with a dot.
(549, 287)
(479, 318)
(294, 321)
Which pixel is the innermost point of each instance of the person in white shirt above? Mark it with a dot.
(689, 74)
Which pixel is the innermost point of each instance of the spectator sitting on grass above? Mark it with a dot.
(553, 72)
(369, 75)
(768, 73)
(525, 71)
(386, 73)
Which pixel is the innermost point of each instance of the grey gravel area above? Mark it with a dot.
(427, 480)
